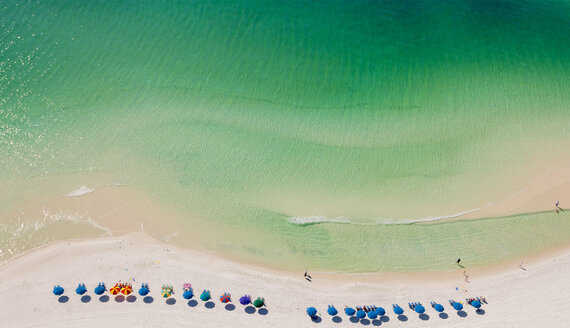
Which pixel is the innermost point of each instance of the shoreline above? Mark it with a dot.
(137, 256)
(339, 276)
(122, 209)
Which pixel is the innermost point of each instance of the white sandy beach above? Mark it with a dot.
(534, 297)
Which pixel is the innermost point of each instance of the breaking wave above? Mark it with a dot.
(380, 221)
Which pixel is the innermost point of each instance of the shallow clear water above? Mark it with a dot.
(247, 113)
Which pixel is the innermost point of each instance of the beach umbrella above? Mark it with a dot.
(349, 311)
(380, 311)
(80, 290)
(57, 290)
(259, 302)
(99, 289)
(438, 307)
(398, 310)
(127, 289)
(372, 314)
(457, 306)
(419, 308)
(331, 310)
(166, 293)
(143, 291)
(226, 298)
(360, 314)
(311, 311)
(476, 304)
(115, 289)
(245, 300)
(205, 296)
(188, 294)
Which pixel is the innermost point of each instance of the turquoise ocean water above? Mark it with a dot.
(252, 118)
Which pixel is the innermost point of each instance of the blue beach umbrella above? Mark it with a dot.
(372, 315)
(476, 304)
(245, 300)
(99, 289)
(311, 311)
(188, 294)
(360, 314)
(457, 306)
(398, 310)
(349, 311)
(420, 309)
(438, 307)
(57, 290)
(143, 291)
(380, 311)
(332, 310)
(80, 290)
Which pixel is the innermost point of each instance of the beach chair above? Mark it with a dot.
(481, 299)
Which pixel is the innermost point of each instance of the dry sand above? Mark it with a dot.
(536, 296)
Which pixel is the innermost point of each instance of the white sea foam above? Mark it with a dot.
(19, 235)
(80, 192)
(380, 221)
(315, 219)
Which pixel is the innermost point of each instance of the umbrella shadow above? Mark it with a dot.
(365, 322)
(443, 315)
(249, 309)
(354, 319)
(263, 311)
(230, 307)
(376, 322)
(131, 298)
(315, 319)
(104, 299)
(462, 313)
(210, 305)
(148, 299)
(63, 299)
(385, 318)
(424, 316)
(119, 298)
(171, 301)
(480, 311)
(85, 298)
(192, 303)
(402, 318)
(336, 319)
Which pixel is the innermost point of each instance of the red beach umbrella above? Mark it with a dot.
(115, 289)
(226, 298)
(127, 289)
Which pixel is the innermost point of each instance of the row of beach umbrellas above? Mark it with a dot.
(374, 312)
(166, 292)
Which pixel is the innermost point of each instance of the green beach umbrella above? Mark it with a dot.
(259, 302)
(205, 296)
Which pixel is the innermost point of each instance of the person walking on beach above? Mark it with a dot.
(307, 276)
(558, 208)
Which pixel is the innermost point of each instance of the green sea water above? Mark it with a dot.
(250, 117)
